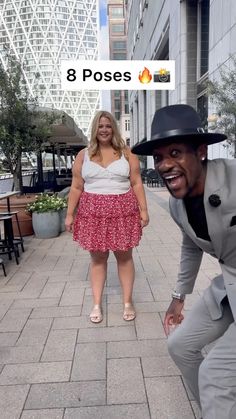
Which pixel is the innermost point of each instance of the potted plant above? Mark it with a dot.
(48, 212)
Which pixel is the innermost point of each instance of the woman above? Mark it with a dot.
(112, 208)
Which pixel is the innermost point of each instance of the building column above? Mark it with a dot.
(151, 108)
(183, 54)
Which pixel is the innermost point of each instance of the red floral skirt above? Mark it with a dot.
(107, 222)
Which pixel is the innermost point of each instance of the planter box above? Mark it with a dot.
(46, 225)
(62, 215)
(19, 203)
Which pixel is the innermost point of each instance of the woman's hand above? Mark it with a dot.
(69, 220)
(144, 218)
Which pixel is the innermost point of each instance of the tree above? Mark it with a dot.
(223, 95)
(22, 126)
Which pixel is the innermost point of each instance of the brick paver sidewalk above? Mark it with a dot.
(56, 364)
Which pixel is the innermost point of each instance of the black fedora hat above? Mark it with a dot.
(176, 123)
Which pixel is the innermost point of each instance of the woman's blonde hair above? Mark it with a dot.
(117, 141)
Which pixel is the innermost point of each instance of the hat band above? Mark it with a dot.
(178, 132)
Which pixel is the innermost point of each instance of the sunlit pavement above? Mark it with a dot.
(56, 364)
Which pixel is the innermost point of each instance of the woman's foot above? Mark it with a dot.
(96, 314)
(129, 312)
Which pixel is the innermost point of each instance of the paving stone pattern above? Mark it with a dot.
(56, 364)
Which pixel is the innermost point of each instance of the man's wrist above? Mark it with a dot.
(178, 296)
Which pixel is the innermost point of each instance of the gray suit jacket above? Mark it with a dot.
(221, 221)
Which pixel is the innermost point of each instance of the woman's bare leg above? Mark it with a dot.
(126, 272)
(98, 273)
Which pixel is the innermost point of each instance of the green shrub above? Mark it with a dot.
(46, 203)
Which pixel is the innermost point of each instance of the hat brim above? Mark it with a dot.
(146, 148)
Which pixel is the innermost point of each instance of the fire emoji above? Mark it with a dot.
(145, 77)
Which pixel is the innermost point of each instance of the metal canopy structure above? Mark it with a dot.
(66, 136)
(66, 140)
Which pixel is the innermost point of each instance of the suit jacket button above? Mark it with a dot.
(221, 261)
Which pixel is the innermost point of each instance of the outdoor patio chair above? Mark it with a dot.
(18, 240)
(144, 174)
(152, 178)
(7, 244)
(3, 267)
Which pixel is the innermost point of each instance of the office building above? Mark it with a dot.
(41, 34)
(199, 35)
(117, 49)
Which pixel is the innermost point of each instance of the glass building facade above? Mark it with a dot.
(43, 32)
(117, 50)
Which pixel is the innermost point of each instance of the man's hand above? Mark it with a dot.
(173, 315)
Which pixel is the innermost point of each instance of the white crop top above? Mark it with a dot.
(113, 179)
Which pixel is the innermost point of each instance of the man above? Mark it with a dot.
(203, 204)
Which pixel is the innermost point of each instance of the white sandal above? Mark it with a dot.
(129, 312)
(96, 314)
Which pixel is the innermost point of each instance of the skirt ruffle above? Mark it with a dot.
(107, 222)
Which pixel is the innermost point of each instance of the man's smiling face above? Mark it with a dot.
(182, 169)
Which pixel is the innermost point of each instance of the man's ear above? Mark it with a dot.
(202, 152)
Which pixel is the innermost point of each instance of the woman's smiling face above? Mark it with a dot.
(181, 168)
(104, 132)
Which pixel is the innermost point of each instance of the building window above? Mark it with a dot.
(116, 12)
(119, 55)
(126, 97)
(127, 125)
(119, 45)
(117, 115)
(203, 36)
(202, 108)
(117, 104)
(118, 28)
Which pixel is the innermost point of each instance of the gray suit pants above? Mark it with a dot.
(211, 379)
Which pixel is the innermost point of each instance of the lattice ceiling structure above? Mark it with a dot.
(41, 33)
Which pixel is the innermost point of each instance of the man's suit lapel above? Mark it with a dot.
(203, 244)
(214, 185)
